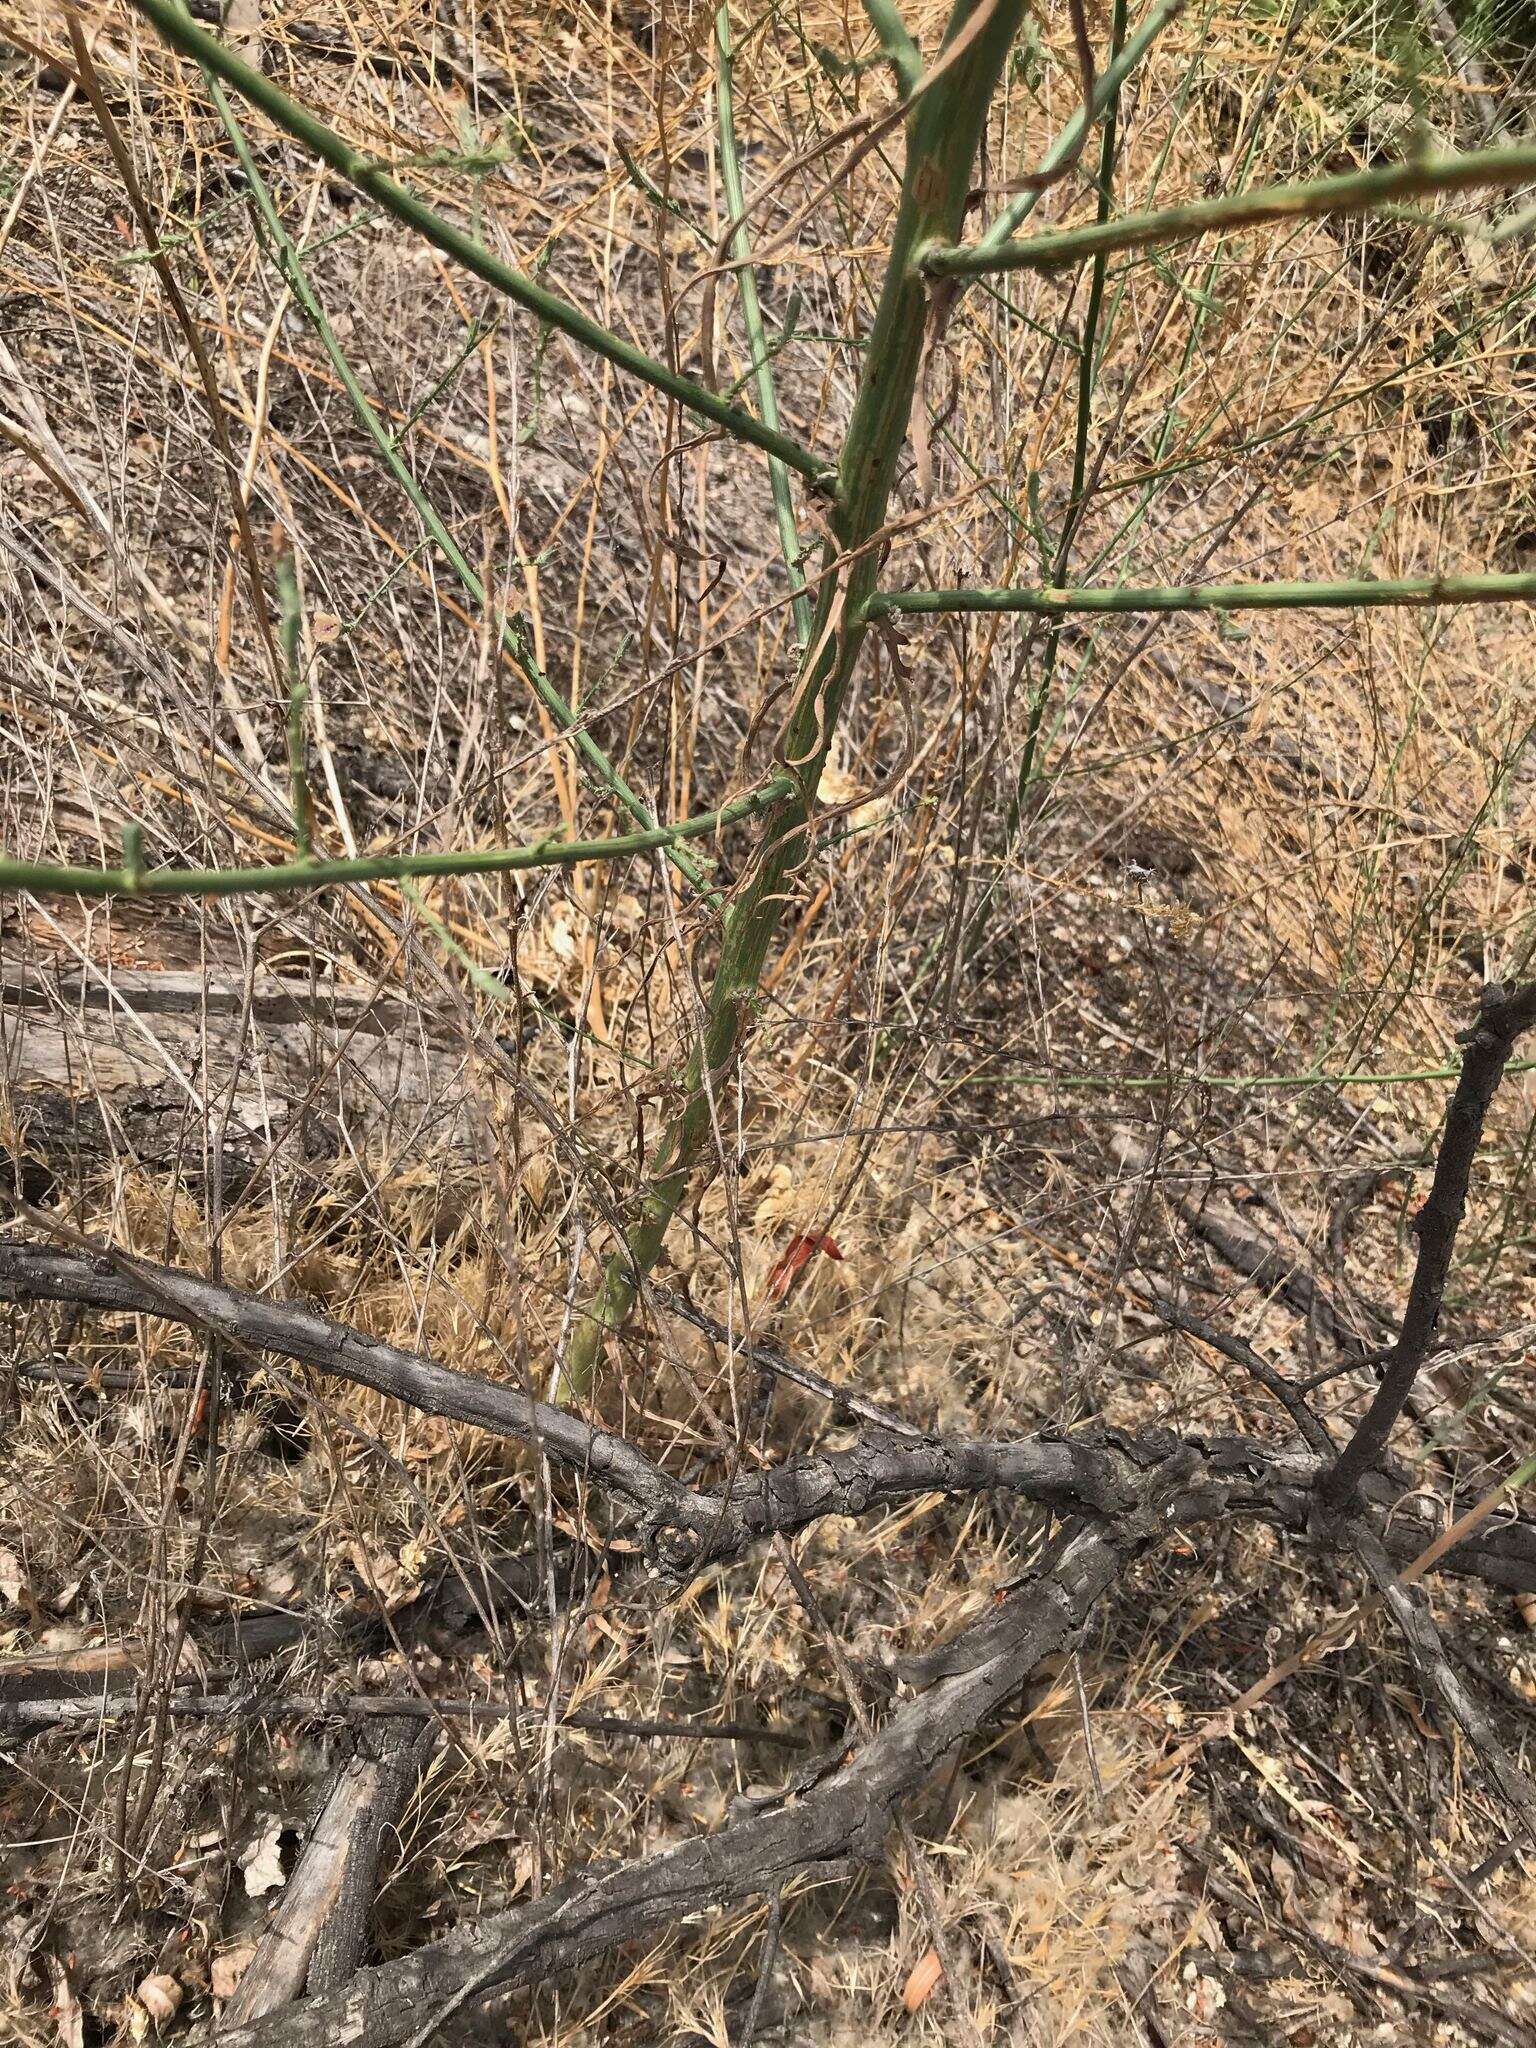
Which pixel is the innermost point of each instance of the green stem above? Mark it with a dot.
(290, 629)
(1352, 192)
(1115, 1084)
(285, 254)
(1087, 376)
(752, 315)
(131, 879)
(183, 34)
(1106, 93)
(1087, 367)
(905, 58)
(1358, 594)
(944, 132)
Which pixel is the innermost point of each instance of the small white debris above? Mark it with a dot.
(262, 1861)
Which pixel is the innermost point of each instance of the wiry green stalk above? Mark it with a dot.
(903, 55)
(1360, 593)
(1105, 94)
(1353, 192)
(134, 879)
(285, 253)
(178, 28)
(290, 633)
(1126, 53)
(752, 316)
(1087, 367)
(1132, 1084)
(944, 133)
(1087, 383)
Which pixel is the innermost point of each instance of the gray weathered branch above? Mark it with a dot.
(320, 1927)
(842, 1809)
(1097, 1472)
(30, 1272)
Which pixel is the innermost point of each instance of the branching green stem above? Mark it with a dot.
(1358, 594)
(1352, 192)
(358, 169)
(943, 135)
(133, 879)
(944, 128)
(1069, 142)
(905, 58)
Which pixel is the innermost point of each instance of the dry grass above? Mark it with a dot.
(1315, 884)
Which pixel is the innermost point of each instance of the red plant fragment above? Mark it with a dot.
(795, 1257)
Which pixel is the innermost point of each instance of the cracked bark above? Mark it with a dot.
(320, 1928)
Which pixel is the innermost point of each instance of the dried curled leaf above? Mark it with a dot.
(161, 1996)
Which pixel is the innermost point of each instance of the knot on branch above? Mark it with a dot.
(860, 1492)
(1179, 1487)
(672, 1547)
(679, 1541)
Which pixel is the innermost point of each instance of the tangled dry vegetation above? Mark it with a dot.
(1025, 1141)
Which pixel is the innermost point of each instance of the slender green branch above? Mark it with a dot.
(1087, 383)
(133, 857)
(1087, 366)
(905, 58)
(1360, 594)
(752, 315)
(133, 879)
(290, 629)
(1069, 142)
(183, 34)
(1116, 1084)
(1352, 192)
(285, 254)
